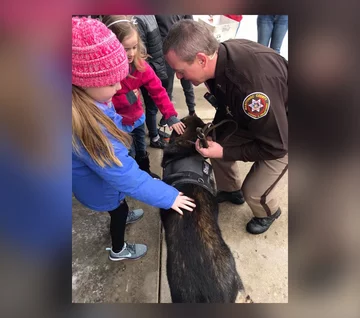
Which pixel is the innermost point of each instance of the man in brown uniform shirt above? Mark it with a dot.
(249, 83)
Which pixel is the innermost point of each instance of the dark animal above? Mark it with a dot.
(200, 266)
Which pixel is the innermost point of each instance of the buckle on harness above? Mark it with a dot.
(201, 136)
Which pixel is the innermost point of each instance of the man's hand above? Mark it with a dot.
(215, 150)
(179, 127)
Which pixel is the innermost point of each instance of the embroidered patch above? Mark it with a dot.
(256, 105)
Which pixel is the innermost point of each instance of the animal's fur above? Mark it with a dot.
(200, 266)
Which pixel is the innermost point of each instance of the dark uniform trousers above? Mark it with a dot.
(259, 186)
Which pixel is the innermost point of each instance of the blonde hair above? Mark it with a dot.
(88, 122)
(122, 29)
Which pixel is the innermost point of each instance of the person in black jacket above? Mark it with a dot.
(150, 35)
(165, 22)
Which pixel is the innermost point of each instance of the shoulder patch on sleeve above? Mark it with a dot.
(256, 105)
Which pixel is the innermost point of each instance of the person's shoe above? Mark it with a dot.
(235, 197)
(154, 175)
(162, 122)
(192, 113)
(261, 225)
(160, 143)
(129, 252)
(134, 215)
(163, 135)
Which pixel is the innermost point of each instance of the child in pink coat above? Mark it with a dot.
(127, 100)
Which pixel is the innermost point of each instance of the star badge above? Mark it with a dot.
(256, 105)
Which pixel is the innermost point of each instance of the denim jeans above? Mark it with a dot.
(272, 27)
(151, 110)
(138, 146)
(186, 85)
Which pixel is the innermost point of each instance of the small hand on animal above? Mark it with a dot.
(179, 127)
(215, 150)
(183, 202)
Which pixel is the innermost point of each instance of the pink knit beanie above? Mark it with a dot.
(98, 58)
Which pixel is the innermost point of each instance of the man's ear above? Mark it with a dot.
(202, 58)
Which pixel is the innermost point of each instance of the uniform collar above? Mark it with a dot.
(220, 80)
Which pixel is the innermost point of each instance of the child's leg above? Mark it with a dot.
(139, 140)
(117, 226)
(138, 147)
(142, 156)
(132, 150)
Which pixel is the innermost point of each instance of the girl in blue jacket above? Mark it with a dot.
(103, 173)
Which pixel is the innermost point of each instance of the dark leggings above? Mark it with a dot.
(117, 226)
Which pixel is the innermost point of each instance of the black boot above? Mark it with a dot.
(144, 164)
(235, 197)
(260, 225)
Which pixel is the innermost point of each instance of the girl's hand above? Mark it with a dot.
(179, 127)
(183, 202)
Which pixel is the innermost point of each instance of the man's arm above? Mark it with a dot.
(264, 106)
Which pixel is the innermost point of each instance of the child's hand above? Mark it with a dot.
(183, 202)
(179, 127)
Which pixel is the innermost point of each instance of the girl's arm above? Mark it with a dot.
(132, 181)
(159, 95)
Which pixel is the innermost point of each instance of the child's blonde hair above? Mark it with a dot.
(123, 26)
(88, 122)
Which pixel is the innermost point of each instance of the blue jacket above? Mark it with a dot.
(102, 189)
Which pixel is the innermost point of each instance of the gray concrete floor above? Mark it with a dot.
(262, 261)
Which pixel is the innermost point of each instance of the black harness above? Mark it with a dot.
(193, 169)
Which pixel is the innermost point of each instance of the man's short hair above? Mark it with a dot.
(187, 38)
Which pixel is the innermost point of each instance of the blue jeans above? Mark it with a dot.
(272, 27)
(186, 85)
(151, 110)
(138, 146)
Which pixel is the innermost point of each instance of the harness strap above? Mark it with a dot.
(189, 177)
(202, 133)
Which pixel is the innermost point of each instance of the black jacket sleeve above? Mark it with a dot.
(270, 133)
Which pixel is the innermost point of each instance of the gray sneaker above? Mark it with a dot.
(134, 215)
(130, 252)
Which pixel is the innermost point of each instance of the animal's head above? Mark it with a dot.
(184, 145)
(190, 134)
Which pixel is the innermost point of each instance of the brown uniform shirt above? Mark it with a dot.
(251, 88)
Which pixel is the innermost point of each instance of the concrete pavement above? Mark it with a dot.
(262, 260)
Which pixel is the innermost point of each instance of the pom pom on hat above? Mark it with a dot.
(98, 58)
